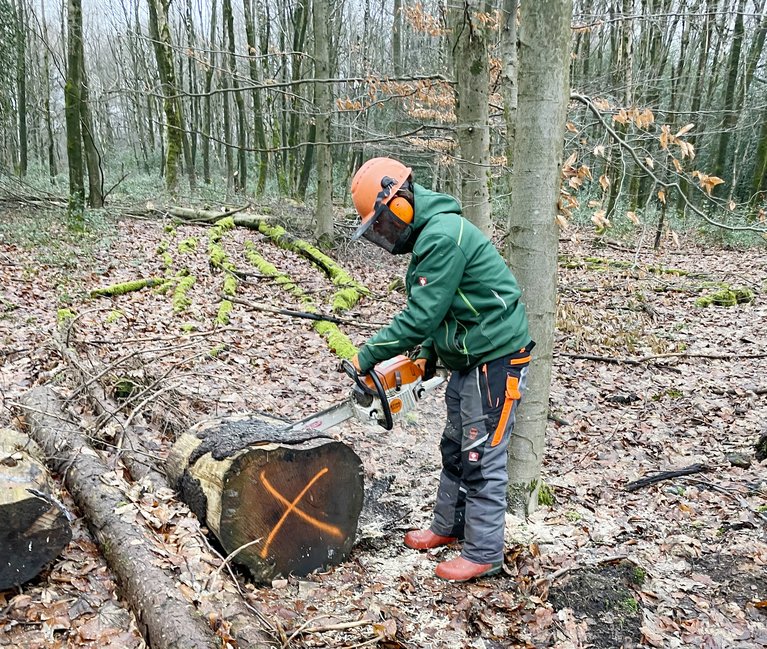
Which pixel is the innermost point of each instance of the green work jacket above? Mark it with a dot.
(463, 303)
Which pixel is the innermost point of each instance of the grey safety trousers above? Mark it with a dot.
(481, 409)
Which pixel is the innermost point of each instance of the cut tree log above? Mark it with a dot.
(164, 617)
(34, 527)
(281, 503)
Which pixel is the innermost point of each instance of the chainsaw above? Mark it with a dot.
(382, 396)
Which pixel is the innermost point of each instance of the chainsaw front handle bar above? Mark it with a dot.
(351, 371)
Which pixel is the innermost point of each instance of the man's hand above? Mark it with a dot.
(428, 367)
(356, 362)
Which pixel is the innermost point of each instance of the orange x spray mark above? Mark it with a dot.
(292, 508)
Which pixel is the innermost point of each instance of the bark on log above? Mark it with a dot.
(164, 617)
(34, 527)
(285, 503)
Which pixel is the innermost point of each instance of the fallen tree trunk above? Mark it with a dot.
(244, 627)
(34, 527)
(281, 503)
(164, 617)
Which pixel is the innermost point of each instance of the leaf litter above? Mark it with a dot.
(572, 570)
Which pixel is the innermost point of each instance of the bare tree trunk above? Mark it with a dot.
(323, 101)
(160, 33)
(92, 155)
(21, 84)
(207, 114)
(242, 159)
(258, 115)
(543, 76)
(296, 156)
(728, 105)
(396, 37)
(509, 63)
(469, 44)
(72, 90)
(52, 171)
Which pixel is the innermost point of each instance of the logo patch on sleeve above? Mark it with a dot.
(423, 281)
(473, 456)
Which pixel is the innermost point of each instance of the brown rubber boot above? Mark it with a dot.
(460, 569)
(426, 540)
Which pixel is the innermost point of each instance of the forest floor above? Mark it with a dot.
(644, 380)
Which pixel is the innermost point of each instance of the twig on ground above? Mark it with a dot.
(576, 566)
(727, 492)
(340, 626)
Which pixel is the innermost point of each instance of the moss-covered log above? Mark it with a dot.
(33, 526)
(218, 258)
(285, 502)
(114, 290)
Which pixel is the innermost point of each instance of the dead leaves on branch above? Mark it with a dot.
(707, 182)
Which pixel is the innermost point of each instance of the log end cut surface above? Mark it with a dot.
(33, 527)
(300, 502)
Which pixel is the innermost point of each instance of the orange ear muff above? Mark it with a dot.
(402, 209)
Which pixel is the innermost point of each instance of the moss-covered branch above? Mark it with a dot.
(726, 296)
(114, 290)
(350, 290)
(338, 342)
(218, 258)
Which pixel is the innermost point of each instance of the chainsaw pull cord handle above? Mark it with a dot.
(351, 371)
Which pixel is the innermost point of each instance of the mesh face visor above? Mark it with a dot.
(385, 229)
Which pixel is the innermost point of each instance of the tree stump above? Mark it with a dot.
(284, 502)
(33, 526)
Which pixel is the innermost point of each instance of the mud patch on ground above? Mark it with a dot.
(737, 579)
(603, 597)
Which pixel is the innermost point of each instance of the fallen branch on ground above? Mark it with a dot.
(113, 290)
(665, 475)
(305, 314)
(655, 357)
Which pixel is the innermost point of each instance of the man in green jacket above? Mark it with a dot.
(463, 306)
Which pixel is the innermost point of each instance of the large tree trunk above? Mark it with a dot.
(165, 618)
(286, 503)
(323, 102)
(33, 526)
(543, 75)
(472, 71)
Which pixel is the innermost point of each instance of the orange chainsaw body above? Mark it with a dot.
(394, 373)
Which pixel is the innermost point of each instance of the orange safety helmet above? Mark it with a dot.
(386, 217)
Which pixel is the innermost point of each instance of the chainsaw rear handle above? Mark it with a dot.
(380, 392)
